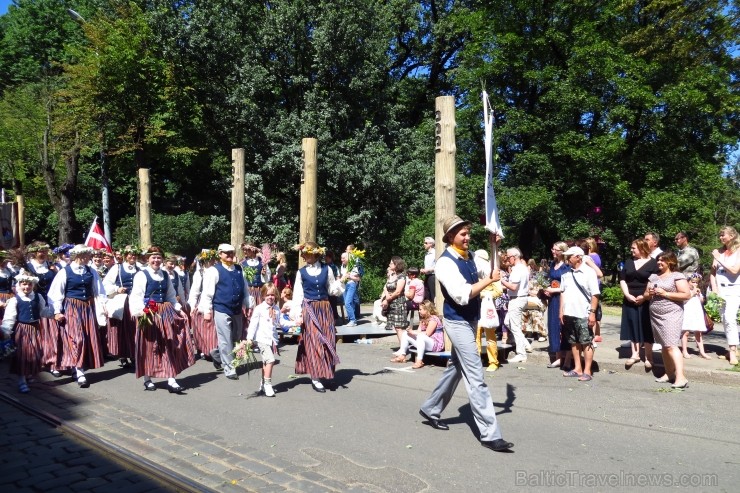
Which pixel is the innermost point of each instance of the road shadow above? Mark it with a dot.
(466, 413)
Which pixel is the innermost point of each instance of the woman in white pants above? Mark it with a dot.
(725, 281)
(429, 336)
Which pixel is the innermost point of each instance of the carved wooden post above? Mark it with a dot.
(444, 176)
(145, 209)
(21, 220)
(237, 199)
(308, 194)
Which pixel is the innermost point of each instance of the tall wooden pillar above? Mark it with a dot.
(308, 193)
(444, 176)
(238, 190)
(145, 209)
(21, 220)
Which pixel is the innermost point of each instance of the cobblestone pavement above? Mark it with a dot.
(38, 457)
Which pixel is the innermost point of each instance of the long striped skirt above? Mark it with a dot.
(51, 340)
(121, 334)
(317, 349)
(81, 343)
(164, 348)
(28, 358)
(204, 332)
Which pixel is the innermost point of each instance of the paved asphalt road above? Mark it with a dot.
(616, 433)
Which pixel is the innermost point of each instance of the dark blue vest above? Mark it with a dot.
(314, 288)
(175, 279)
(229, 293)
(453, 311)
(126, 279)
(156, 290)
(44, 279)
(28, 311)
(257, 281)
(79, 287)
(6, 283)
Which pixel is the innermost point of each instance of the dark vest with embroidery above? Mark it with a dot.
(156, 290)
(314, 287)
(229, 293)
(29, 312)
(125, 278)
(452, 310)
(79, 286)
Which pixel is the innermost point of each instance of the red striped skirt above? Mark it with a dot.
(51, 340)
(317, 349)
(164, 349)
(204, 332)
(121, 334)
(81, 342)
(28, 358)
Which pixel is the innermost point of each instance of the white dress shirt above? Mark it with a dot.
(449, 276)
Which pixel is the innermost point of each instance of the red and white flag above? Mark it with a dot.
(96, 238)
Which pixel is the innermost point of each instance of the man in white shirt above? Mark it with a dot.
(430, 259)
(653, 241)
(225, 299)
(518, 289)
(578, 303)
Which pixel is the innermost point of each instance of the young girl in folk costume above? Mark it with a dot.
(429, 336)
(118, 283)
(22, 314)
(163, 345)
(693, 317)
(74, 294)
(263, 331)
(169, 266)
(38, 265)
(316, 353)
(204, 331)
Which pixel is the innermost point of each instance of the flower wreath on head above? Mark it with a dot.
(130, 249)
(37, 248)
(81, 249)
(302, 248)
(207, 254)
(63, 248)
(24, 276)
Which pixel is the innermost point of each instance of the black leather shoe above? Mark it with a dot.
(318, 389)
(175, 390)
(148, 385)
(499, 445)
(437, 424)
(217, 365)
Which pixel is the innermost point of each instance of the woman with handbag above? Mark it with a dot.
(121, 324)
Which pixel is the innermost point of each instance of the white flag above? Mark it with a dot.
(492, 218)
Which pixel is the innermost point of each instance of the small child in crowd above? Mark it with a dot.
(21, 321)
(290, 313)
(693, 318)
(263, 331)
(429, 336)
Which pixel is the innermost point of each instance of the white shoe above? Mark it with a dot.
(528, 349)
(268, 390)
(519, 358)
(262, 387)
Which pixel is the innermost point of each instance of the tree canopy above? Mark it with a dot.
(611, 118)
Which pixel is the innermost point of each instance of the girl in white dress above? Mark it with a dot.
(693, 318)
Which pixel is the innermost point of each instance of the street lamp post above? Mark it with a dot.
(104, 183)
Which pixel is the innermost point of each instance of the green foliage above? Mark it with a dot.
(612, 295)
(372, 284)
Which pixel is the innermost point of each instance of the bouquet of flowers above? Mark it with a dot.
(147, 319)
(267, 253)
(249, 273)
(715, 306)
(541, 281)
(243, 355)
(355, 258)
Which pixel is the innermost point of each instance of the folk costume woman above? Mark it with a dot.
(316, 355)
(204, 331)
(73, 294)
(163, 344)
(122, 327)
(38, 265)
(6, 281)
(22, 315)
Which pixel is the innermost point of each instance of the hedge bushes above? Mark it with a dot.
(611, 295)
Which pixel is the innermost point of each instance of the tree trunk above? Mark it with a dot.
(68, 231)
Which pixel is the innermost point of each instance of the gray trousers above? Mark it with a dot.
(228, 330)
(465, 363)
